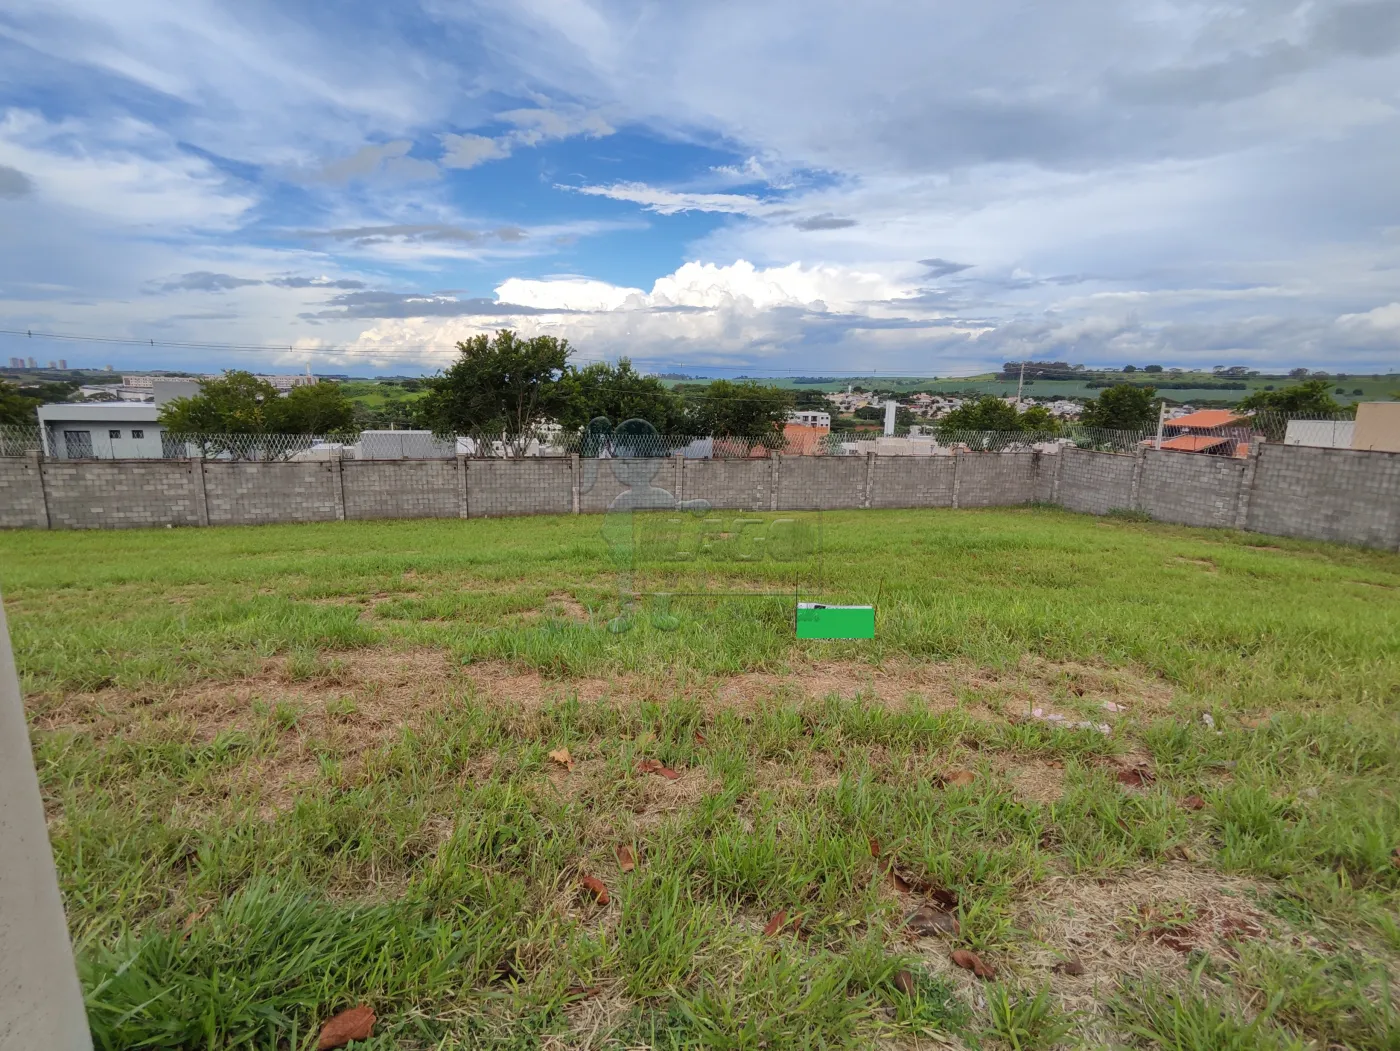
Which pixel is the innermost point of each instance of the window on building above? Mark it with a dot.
(114, 434)
(138, 434)
(78, 444)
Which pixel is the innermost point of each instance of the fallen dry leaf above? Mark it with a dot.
(948, 899)
(929, 922)
(874, 847)
(1109, 706)
(970, 961)
(583, 992)
(1072, 966)
(776, 924)
(1395, 857)
(699, 738)
(959, 777)
(1135, 777)
(668, 773)
(563, 758)
(356, 1023)
(626, 860)
(655, 766)
(195, 917)
(1193, 803)
(899, 882)
(596, 887)
(904, 982)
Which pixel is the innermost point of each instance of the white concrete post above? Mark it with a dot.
(891, 407)
(41, 1005)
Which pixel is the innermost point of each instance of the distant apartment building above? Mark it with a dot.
(804, 432)
(16, 363)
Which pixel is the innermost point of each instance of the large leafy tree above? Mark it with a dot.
(500, 384)
(16, 410)
(1122, 408)
(987, 413)
(739, 409)
(618, 392)
(240, 403)
(1314, 396)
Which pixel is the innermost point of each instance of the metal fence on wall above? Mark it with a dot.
(551, 441)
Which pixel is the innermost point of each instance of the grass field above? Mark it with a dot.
(290, 769)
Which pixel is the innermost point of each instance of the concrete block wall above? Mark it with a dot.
(996, 479)
(21, 494)
(1189, 488)
(1327, 494)
(499, 488)
(1091, 482)
(401, 488)
(912, 481)
(120, 494)
(254, 493)
(743, 485)
(603, 483)
(828, 482)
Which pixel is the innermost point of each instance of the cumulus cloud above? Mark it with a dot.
(467, 151)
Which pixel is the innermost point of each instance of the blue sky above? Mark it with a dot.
(746, 186)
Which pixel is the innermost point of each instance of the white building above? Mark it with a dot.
(807, 418)
(110, 430)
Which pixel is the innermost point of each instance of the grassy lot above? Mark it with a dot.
(290, 769)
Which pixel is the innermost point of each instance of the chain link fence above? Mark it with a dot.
(1233, 437)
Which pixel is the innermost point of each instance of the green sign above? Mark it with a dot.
(816, 621)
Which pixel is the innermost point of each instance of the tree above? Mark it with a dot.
(1152, 368)
(501, 384)
(1297, 374)
(317, 408)
(235, 403)
(16, 410)
(619, 393)
(1129, 368)
(1312, 397)
(1121, 408)
(902, 417)
(729, 409)
(985, 413)
(1039, 419)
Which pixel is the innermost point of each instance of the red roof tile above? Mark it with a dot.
(1195, 443)
(1207, 418)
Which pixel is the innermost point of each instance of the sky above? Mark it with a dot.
(765, 187)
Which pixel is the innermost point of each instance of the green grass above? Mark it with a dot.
(270, 798)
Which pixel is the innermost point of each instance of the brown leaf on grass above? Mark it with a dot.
(1253, 722)
(947, 899)
(655, 766)
(959, 777)
(356, 1023)
(188, 924)
(928, 922)
(874, 847)
(563, 758)
(583, 992)
(1395, 857)
(626, 860)
(776, 924)
(904, 982)
(899, 883)
(668, 773)
(699, 738)
(596, 887)
(1072, 966)
(1135, 776)
(1193, 803)
(970, 961)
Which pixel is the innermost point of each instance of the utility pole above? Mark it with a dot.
(41, 1005)
(1161, 419)
(1019, 384)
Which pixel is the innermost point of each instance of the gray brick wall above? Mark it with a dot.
(252, 493)
(1327, 494)
(744, 485)
(605, 487)
(21, 494)
(1190, 488)
(996, 479)
(1095, 483)
(912, 481)
(827, 482)
(401, 488)
(497, 488)
(120, 494)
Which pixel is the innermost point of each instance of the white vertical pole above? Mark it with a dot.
(41, 1005)
(891, 407)
(1019, 384)
(1161, 419)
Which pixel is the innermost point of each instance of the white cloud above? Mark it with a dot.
(129, 173)
(389, 161)
(672, 202)
(532, 127)
(467, 151)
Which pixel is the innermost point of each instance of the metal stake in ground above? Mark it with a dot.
(41, 1005)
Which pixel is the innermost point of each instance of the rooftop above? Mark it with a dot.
(1207, 418)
